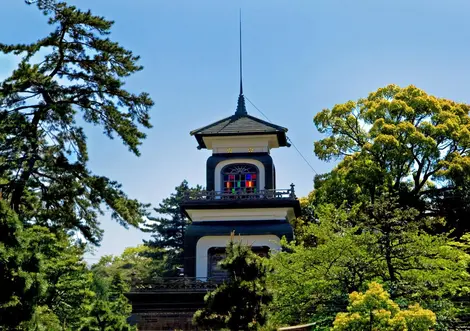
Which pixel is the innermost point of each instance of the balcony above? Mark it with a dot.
(177, 284)
(206, 196)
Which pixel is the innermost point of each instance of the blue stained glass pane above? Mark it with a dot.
(248, 176)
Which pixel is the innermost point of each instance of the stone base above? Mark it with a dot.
(165, 321)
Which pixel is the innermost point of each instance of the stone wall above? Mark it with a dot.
(165, 321)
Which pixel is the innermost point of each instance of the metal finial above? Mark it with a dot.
(241, 57)
(241, 108)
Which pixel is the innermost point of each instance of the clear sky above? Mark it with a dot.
(299, 57)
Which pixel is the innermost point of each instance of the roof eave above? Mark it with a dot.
(281, 137)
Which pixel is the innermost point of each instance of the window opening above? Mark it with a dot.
(240, 178)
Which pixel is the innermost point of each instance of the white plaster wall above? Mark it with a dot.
(241, 144)
(258, 214)
(218, 170)
(203, 245)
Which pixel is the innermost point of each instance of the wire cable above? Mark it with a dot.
(290, 140)
(308, 163)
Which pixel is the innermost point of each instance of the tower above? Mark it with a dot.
(241, 197)
(241, 193)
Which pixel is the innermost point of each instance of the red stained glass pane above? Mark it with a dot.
(253, 176)
(231, 177)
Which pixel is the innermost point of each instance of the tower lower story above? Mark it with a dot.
(259, 219)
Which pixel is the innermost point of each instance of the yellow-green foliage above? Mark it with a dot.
(374, 310)
(413, 137)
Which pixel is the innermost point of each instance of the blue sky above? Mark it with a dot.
(299, 57)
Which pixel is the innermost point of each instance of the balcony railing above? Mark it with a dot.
(278, 194)
(170, 284)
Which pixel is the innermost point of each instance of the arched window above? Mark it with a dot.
(240, 178)
(217, 254)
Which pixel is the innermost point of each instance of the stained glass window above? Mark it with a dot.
(240, 178)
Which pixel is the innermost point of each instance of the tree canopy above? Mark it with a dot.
(311, 281)
(50, 200)
(75, 72)
(374, 310)
(400, 141)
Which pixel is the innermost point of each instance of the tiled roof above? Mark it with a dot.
(236, 124)
(240, 124)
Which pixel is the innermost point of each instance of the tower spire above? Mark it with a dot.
(241, 109)
(241, 57)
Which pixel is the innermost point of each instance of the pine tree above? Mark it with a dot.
(75, 71)
(168, 230)
(239, 303)
(111, 308)
(68, 293)
(21, 282)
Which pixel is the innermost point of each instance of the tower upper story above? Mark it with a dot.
(241, 145)
(240, 173)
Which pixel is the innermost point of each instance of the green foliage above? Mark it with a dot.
(74, 71)
(111, 309)
(21, 280)
(168, 229)
(135, 264)
(400, 141)
(311, 283)
(239, 303)
(386, 213)
(43, 320)
(46, 285)
(44, 5)
(112, 277)
(69, 294)
(374, 310)
(48, 193)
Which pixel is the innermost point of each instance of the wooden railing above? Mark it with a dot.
(278, 194)
(177, 284)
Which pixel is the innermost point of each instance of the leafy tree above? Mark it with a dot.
(239, 303)
(112, 278)
(111, 308)
(311, 283)
(75, 71)
(374, 310)
(404, 251)
(401, 141)
(169, 229)
(300, 224)
(133, 265)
